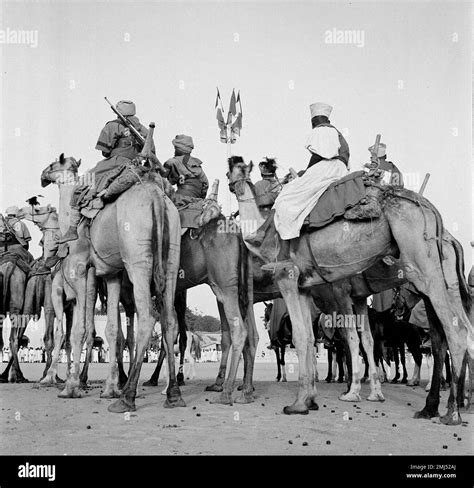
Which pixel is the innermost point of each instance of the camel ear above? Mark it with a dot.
(250, 167)
(61, 158)
(79, 162)
(48, 207)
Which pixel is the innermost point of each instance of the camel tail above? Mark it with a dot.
(243, 279)
(463, 286)
(197, 346)
(160, 244)
(6, 275)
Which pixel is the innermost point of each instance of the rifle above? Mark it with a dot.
(425, 181)
(139, 138)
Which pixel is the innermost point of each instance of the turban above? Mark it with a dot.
(12, 210)
(126, 108)
(183, 143)
(320, 109)
(382, 150)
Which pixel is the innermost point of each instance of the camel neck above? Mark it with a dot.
(65, 193)
(250, 216)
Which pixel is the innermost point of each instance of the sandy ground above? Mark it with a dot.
(33, 420)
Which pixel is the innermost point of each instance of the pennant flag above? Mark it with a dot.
(232, 106)
(230, 129)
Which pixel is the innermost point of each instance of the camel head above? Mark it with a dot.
(36, 214)
(61, 171)
(239, 175)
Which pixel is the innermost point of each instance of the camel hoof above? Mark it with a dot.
(413, 383)
(364, 379)
(48, 381)
(350, 397)
(150, 383)
(59, 381)
(311, 404)
(296, 410)
(284, 380)
(3, 379)
(428, 387)
(215, 387)
(223, 399)
(404, 381)
(451, 419)
(376, 397)
(394, 381)
(245, 398)
(174, 403)
(19, 380)
(68, 393)
(425, 415)
(120, 406)
(111, 394)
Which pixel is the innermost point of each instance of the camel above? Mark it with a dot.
(138, 232)
(47, 220)
(409, 228)
(39, 287)
(217, 257)
(14, 269)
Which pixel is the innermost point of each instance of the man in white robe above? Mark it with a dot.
(328, 163)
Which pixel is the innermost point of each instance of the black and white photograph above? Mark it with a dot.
(236, 228)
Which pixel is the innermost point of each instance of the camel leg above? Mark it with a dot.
(67, 338)
(78, 335)
(48, 338)
(438, 347)
(111, 388)
(239, 333)
(180, 303)
(429, 364)
(287, 280)
(306, 302)
(330, 365)
(225, 347)
(415, 351)
(91, 299)
(122, 377)
(283, 364)
(19, 323)
(278, 360)
(403, 361)
(249, 352)
(57, 301)
(396, 360)
(130, 317)
(153, 381)
(344, 308)
(360, 307)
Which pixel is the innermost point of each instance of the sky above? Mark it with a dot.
(405, 73)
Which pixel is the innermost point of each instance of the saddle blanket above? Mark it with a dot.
(338, 197)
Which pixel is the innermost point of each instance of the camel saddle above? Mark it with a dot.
(18, 258)
(355, 196)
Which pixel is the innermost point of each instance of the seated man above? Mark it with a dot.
(119, 147)
(186, 172)
(391, 174)
(21, 230)
(329, 162)
(268, 187)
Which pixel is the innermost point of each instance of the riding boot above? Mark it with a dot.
(71, 233)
